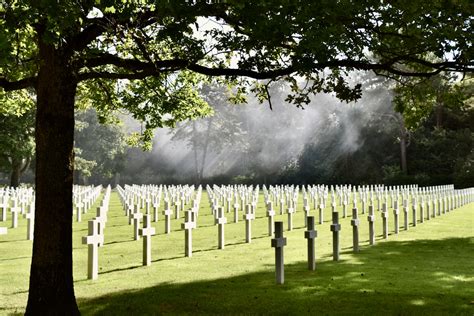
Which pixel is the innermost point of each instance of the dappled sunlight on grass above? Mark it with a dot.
(418, 302)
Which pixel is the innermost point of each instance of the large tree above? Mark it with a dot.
(141, 55)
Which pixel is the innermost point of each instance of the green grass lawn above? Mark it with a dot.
(427, 270)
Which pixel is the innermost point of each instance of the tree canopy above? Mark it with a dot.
(148, 57)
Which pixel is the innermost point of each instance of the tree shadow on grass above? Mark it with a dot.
(423, 277)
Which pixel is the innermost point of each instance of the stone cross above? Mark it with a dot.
(282, 201)
(306, 210)
(396, 212)
(101, 219)
(188, 226)
(93, 240)
(413, 203)
(147, 205)
(156, 205)
(30, 216)
(221, 220)
(428, 204)
(146, 232)
(15, 210)
(137, 217)
(278, 243)
(248, 217)
(130, 213)
(405, 214)
(335, 228)
(321, 213)
(422, 210)
(229, 202)
(167, 212)
(355, 230)
(385, 220)
(271, 215)
(310, 234)
(79, 207)
(290, 212)
(3, 209)
(371, 220)
(177, 209)
(236, 212)
(344, 207)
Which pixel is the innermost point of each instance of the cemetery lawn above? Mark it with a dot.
(427, 270)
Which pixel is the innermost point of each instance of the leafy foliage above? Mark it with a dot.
(99, 147)
(17, 144)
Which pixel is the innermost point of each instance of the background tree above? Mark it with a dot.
(58, 47)
(17, 128)
(220, 131)
(101, 147)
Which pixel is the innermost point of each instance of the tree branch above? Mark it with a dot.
(17, 85)
(137, 69)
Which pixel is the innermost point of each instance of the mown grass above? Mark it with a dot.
(428, 269)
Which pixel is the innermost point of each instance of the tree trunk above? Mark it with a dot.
(51, 289)
(18, 167)
(439, 115)
(206, 146)
(403, 146)
(15, 173)
(85, 179)
(195, 151)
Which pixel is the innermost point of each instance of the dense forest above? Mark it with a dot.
(395, 134)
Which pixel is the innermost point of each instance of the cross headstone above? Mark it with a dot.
(321, 213)
(290, 211)
(405, 214)
(137, 217)
(30, 216)
(413, 207)
(79, 207)
(271, 216)
(93, 240)
(355, 230)
(335, 228)
(422, 210)
(306, 210)
(344, 207)
(248, 217)
(396, 212)
(167, 212)
(188, 226)
(278, 243)
(146, 232)
(371, 220)
(236, 212)
(3, 208)
(221, 220)
(155, 211)
(130, 213)
(428, 205)
(177, 209)
(385, 220)
(310, 234)
(15, 210)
